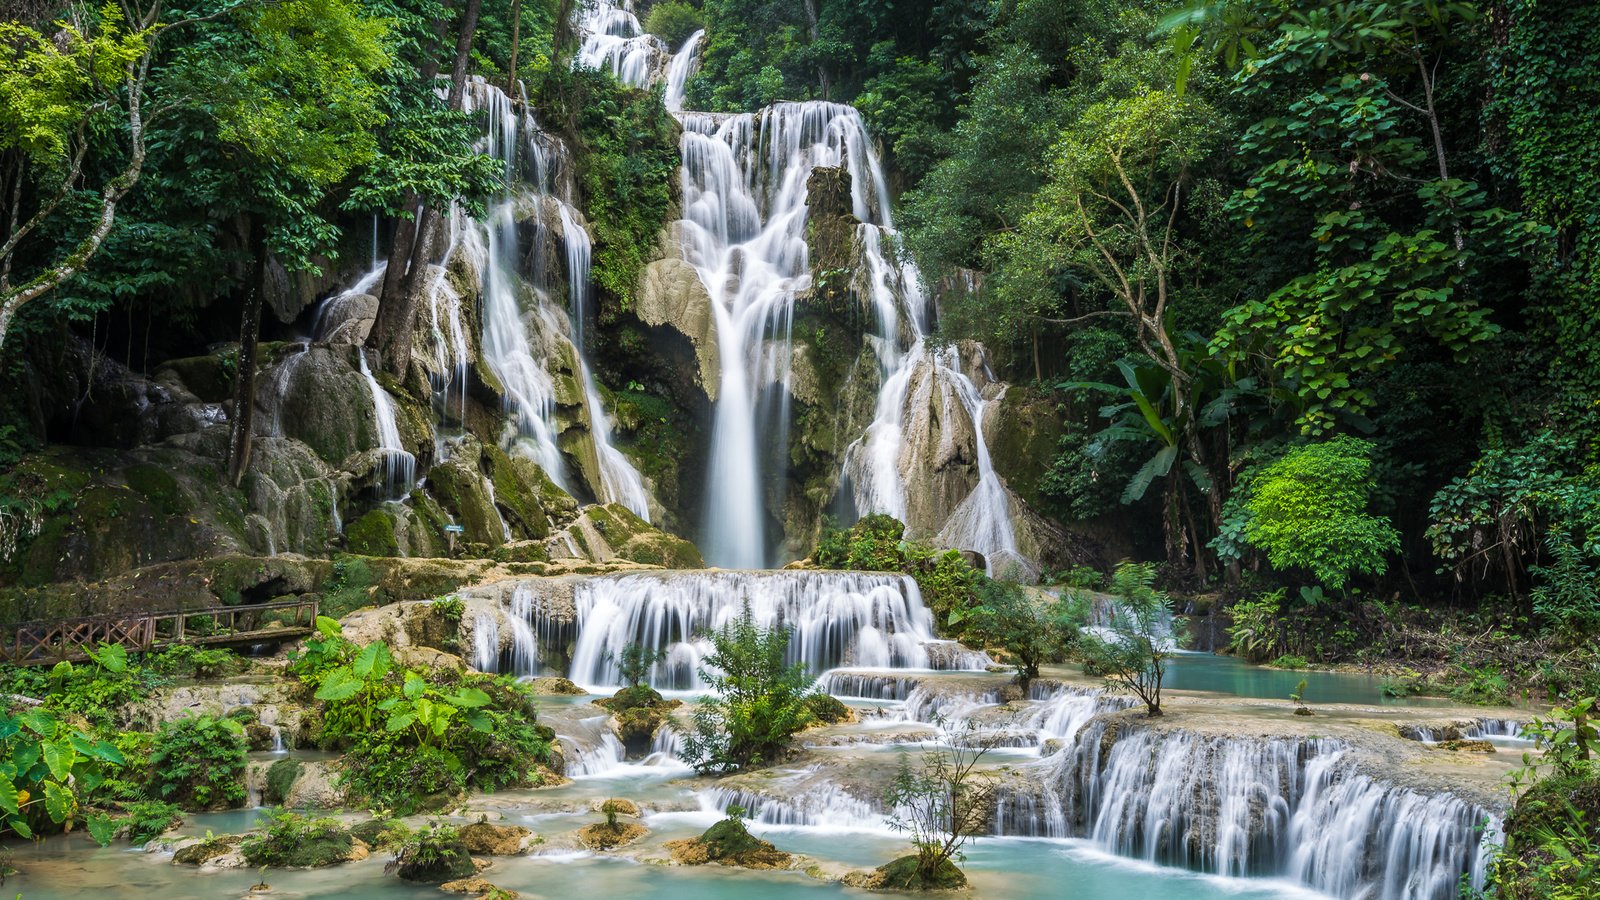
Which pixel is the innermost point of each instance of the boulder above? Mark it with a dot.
(728, 843)
(671, 295)
(495, 840)
(601, 836)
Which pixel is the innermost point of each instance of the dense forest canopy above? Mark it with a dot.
(1225, 234)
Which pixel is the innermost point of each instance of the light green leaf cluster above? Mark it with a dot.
(48, 87)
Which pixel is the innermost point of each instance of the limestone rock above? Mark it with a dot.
(604, 532)
(670, 294)
(601, 836)
(478, 886)
(495, 840)
(347, 319)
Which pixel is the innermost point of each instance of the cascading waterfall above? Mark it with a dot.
(679, 70)
(1247, 806)
(834, 618)
(614, 40)
(744, 190)
(491, 247)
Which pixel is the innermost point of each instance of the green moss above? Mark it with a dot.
(346, 588)
(903, 874)
(280, 778)
(296, 842)
(517, 489)
(372, 535)
(1025, 442)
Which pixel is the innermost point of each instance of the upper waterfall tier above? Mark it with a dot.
(834, 619)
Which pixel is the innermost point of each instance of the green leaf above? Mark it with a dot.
(60, 757)
(39, 722)
(102, 829)
(58, 802)
(480, 721)
(469, 698)
(329, 627)
(1158, 466)
(20, 826)
(415, 686)
(373, 661)
(400, 721)
(338, 685)
(8, 796)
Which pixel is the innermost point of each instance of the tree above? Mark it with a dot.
(1030, 630)
(1308, 510)
(1130, 639)
(55, 92)
(759, 701)
(941, 805)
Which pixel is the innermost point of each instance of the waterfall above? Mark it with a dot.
(613, 39)
(492, 248)
(679, 70)
(744, 200)
(395, 462)
(1231, 806)
(833, 618)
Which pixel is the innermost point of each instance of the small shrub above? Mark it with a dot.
(198, 763)
(1030, 631)
(289, 840)
(147, 820)
(451, 609)
(189, 661)
(1287, 661)
(759, 703)
(434, 855)
(1130, 651)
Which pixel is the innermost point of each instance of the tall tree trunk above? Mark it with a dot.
(516, 37)
(240, 438)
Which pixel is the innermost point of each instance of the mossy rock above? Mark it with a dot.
(489, 839)
(373, 534)
(828, 709)
(634, 539)
(518, 487)
(451, 862)
(729, 843)
(159, 488)
(602, 836)
(638, 713)
(1023, 438)
(281, 777)
(380, 833)
(903, 874)
(206, 377)
(321, 845)
(202, 852)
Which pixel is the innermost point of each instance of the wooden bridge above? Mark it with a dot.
(53, 640)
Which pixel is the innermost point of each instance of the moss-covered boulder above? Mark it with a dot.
(637, 713)
(728, 843)
(318, 396)
(488, 839)
(905, 874)
(1022, 429)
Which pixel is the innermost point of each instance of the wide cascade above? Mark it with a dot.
(854, 619)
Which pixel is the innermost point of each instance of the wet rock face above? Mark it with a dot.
(318, 397)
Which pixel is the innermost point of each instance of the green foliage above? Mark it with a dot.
(673, 21)
(198, 763)
(636, 661)
(1308, 510)
(47, 87)
(44, 764)
(434, 855)
(626, 148)
(760, 702)
(146, 820)
(941, 804)
(192, 661)
(289, 840)
(872, 544)
(99, 690)
(450, 609)
(1255, 631)
(1030, 630)
(1132, 640)
(412, 738)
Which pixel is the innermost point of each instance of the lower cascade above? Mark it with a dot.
(1301, 809)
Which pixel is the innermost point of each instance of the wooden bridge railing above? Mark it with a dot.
(54, 640)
